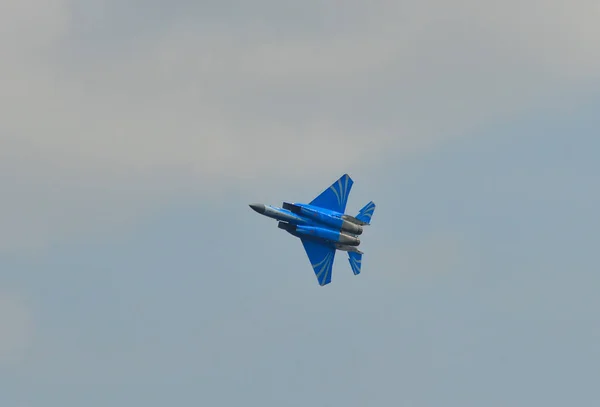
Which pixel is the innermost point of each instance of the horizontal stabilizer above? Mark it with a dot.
(355, 259)
(336, 196)
(365, 214)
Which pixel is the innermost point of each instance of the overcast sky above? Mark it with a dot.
(135, 134)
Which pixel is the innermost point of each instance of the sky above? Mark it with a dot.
(135, 134)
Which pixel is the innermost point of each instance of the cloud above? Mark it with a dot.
(15, 327)
(429, 256)
(114, 95)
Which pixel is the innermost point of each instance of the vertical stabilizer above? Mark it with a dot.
(355, 260)
(366, 213)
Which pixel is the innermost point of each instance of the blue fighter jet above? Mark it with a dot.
(323, 227)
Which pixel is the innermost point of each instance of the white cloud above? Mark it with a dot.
(209, 95)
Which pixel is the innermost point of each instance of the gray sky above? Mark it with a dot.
(134, 135)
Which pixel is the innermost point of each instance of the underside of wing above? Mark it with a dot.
(336, 196)
(321, 258)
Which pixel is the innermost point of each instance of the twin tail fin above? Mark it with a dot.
(355, 259)
(365, 214)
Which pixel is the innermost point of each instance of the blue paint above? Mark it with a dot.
(323, 227)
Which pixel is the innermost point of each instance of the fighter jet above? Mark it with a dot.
(323, 227)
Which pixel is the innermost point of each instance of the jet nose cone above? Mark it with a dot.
(260, 208)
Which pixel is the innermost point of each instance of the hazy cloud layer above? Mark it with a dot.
(118, 102)
(15, 327)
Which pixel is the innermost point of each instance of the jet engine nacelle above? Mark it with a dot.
(351, 227)
(325, 218)
(327, 234)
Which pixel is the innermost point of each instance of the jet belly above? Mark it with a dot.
(320, 233)
(327, 218)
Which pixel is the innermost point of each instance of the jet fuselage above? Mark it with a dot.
(307, 221)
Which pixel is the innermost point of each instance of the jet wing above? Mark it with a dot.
(321, 258)
(336, 196)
